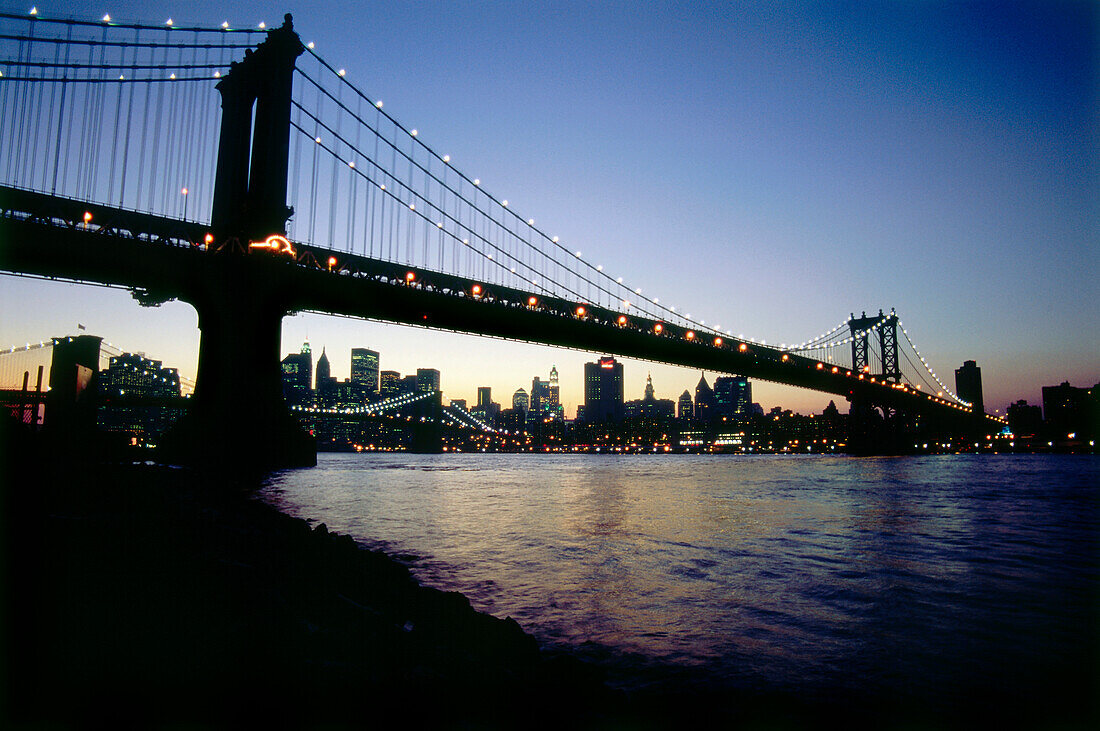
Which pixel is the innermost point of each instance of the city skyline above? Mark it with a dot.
(866, 158)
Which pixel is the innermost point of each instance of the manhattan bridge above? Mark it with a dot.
(241, 172)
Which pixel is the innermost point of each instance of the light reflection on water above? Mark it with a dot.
(912, 575)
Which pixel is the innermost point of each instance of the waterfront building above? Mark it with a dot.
(133, 375)
(140, 398)
(1067, 410)
(603, 390)
(968, 385)
(364, 372)
(1025, 421)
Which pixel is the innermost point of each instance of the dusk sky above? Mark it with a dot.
(772, 167)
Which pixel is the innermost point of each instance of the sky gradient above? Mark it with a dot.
(771, 167)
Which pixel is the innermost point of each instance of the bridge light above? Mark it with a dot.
(532, 301)
(410, 276)
(835, 369)
(504, 203)
(718, 342)
(530, 222)
(225, 24)
(413, 132)
(331, 262)
(107, 18)
(477, 181)
(317, 140)
(476, 290)
(785, 357)
(87, 217)
(378, 103)
(351, 164)
(658, 328)
(172, 77)
(690, 335)
(446, 158)
(581, 311)
(168, 22)
(439, 225)
(262, 25)
(341, 72)
(412, 206)
(599, 267)
(217, 74)
(622, 320)
(34, 11)
(743, 347)
(209, 239)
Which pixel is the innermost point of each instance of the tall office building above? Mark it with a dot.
(364, 372)
(540, 396)
(520, 401)
(968, 384)
(326, 385)
(389, 384)
(603, 390)
(732, 396)
(704, 400)
(685, 408)
(484, 396)
(132, 375)
(427, 380)
(298, 377)
(554, 393)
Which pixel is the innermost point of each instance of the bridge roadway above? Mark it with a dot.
(164, 258)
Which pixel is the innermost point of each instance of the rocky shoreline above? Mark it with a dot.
(140, 595)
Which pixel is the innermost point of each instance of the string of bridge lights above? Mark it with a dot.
(946, 390)
(575, 258)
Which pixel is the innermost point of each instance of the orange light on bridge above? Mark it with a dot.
(476, 290)
(410, 276)
(581, 312)
(87, 217)
(718, 342)
(331, 262)
(835, 369)
(622, 320)
(208, 239)
(743, 347)
(821, 366)
(658, 328)
(532, 301)
(786, 357)
(690, 335)
(275, 242)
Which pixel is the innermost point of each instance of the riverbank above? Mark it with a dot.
(144, 596)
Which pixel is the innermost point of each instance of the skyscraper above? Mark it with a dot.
(554, 393)
(326, 384)
(732, 396)
(389, 384)
(685, 407)
(540, 396)
(298, 376)
(603, 390)
(364, 372)
(427, 380)
(520, 401)
(484, 397)
(968, 384)
(704, 399)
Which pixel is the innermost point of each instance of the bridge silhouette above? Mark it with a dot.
(117, 170)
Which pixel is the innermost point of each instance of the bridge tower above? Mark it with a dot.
(239, 417)
(887, 334)
(876, 429)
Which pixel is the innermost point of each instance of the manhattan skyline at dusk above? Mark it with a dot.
(772, 170)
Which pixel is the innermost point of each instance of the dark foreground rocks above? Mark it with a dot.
(141, 596)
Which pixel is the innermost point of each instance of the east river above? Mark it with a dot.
(908, 577)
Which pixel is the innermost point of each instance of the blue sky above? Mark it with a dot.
(771, 167)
